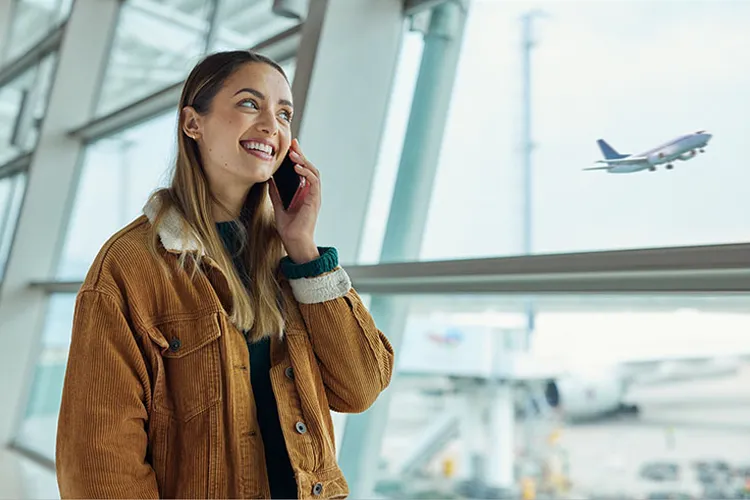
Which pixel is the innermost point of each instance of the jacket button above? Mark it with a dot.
(289, 372)
(175, 344)
(317, 489)
(301, 427)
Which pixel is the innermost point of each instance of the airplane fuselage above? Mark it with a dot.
(682, 148)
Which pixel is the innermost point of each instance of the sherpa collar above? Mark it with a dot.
(172, 231)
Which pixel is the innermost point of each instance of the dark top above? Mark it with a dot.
(280, 472)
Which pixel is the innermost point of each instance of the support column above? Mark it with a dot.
(500, 467)
(50, 193)
(474, 441)
(360, 449)
(345, 69)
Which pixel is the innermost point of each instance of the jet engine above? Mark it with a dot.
(688, 155)
(585, 397)
(655, 158)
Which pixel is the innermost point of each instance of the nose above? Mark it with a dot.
(707, 136)
(267, 123)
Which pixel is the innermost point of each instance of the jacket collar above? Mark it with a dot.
(173, 231)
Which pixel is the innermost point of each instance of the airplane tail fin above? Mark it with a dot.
(608, 151)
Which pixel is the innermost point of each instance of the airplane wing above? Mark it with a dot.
(597, 168)
(625, 161)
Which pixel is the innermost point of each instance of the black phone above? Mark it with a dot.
(288, 181)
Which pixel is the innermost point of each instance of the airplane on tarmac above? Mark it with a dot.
(471, 359)
(487, 383)
(684, 147)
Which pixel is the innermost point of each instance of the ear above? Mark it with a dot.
(191, 122)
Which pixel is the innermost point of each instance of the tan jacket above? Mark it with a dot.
(157, 399)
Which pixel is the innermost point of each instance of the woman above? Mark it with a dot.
(204, 361)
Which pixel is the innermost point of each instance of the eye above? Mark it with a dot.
(286, 115)
(248, 103)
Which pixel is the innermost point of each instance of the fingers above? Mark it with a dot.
(297, 157)
(311, 177)
(308, 171)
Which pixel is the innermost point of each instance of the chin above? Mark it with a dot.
(259, 173)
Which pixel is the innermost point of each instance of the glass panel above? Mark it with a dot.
(38, 429)
(119, 173)
(618, 397)
(12, 190)
(32, 21)
(639, 86)
(23, 103)
(242, 24)
(156, 44)
(390, 149)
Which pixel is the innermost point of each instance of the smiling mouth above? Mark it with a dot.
(259, 149)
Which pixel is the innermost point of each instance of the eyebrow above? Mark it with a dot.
(260, 95)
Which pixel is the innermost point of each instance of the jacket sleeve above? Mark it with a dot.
(101, 435)
(355, 358)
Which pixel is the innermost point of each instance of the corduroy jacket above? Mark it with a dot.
(157, 400)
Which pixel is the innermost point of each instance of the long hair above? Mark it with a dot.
(255, 308)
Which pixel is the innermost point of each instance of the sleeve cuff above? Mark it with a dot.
(323, 288)
(326, 263)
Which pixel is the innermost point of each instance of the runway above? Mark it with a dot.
(680, 423)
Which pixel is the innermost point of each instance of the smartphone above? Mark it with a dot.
(291, 185)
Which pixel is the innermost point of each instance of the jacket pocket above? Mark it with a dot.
(189, 371)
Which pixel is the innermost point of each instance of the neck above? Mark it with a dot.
(231, 201)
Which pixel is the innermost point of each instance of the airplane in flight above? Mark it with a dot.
(684, 147)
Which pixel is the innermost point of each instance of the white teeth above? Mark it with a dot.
(258, 146)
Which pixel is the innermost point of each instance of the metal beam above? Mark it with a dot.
(32, 56)
(281, 47)
(708, 282)
(57, 287)
(734, 282)
(648, 262)
(412, 7)
(715, 268)
(18, 164)
(293, 9)
(710, 269)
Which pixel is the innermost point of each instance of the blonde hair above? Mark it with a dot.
(255, 309)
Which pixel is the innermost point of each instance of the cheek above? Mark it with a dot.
(285, 141)
(226, 131)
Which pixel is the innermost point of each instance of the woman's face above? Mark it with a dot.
(247, 131)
